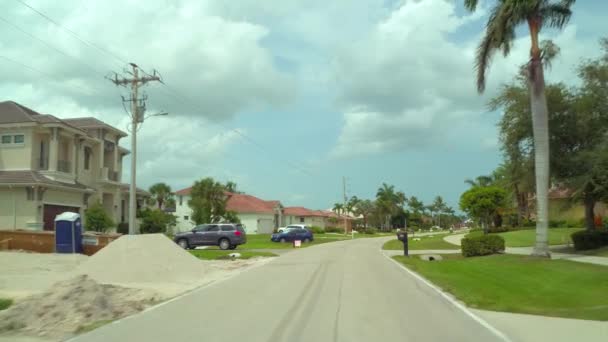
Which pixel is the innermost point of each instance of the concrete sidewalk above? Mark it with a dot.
(533, 328)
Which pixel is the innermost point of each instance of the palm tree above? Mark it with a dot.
(439, 207)
(161, 192)
(389, 201)
(499, 35)
(480, 181)
(364, 208)
(338, 208)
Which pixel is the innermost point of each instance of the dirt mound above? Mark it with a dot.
(71, 305)
(145, 261)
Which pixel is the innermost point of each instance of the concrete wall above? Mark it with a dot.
(16, 156)
(15, 210)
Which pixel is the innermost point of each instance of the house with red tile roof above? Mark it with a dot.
(257, 215)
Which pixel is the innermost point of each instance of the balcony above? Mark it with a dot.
(64, 166)
(41, 164)
(108, 175)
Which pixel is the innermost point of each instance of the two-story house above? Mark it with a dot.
(50, 165)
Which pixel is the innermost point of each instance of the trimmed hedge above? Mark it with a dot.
(590, 239)
(317, 230)
(370, 231)
(482, 245)
(334, 230)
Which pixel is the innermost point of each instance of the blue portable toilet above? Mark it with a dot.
(68, 233)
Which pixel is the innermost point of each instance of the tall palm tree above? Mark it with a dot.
(389, 201)
(161, 193)
(480, 181)
(505, 16)
(338, 208)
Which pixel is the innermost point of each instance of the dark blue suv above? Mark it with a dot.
(292, 235)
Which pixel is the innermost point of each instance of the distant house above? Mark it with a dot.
(50, 165)
(317, 218)
(258, 216)
(562, 208)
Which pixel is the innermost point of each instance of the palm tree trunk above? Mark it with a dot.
(540, 129)
(589, 212)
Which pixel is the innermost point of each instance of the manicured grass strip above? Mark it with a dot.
(426, 242)
(215, 254)
(5, 303)
(521, 284)
(526, 238)
(262, 241)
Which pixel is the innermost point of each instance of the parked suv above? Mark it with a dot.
(224, 235)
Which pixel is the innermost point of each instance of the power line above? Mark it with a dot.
(49, 45)
(27, 67)
(74, 34)
(118, 58)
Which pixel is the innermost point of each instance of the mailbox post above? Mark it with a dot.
(402, 236)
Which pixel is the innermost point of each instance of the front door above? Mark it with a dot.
(50, 211)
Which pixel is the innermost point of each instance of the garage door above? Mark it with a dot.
(51, 211)
(265, 226)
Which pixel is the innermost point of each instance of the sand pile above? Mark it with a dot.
(145, 261)
(71, 304)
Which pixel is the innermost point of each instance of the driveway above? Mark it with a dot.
(343, 291)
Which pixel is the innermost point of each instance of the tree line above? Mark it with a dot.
(393, 209)
(577, 119)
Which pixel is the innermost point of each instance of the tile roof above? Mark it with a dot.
(242, 203)
(91, 122)
(125, 187)
(34, 178)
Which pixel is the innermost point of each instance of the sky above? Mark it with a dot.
(284, 97)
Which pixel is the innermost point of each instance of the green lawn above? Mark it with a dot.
(603, 252)
(525, 238)
(216, 254)
(426, 242)
(521, 284)
(5, 303)
(262, 241)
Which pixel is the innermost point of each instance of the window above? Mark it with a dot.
(15, 139)
(87, 158)
(227, 228)
(180, 199)
(200, 228)
(213, 229)
(301, 219)
(29, 193)
(19, 139)
(186, 217)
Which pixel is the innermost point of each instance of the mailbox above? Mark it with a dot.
(402, 236)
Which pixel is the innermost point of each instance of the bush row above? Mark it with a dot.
(482, 245)
(590, 239)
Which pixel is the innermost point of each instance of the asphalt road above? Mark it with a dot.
(343, 291)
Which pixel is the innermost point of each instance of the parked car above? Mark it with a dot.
(293, 234)
(293, 226)
(224, 235)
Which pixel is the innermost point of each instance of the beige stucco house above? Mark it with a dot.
(50, 165)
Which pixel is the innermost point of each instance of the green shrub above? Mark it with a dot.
(482, 245)
(155, 221)
(5, 303)
(528, 223)
(96, 218)
(500, 229)
(370, 231)
(317, 230)
(590, 239)
(334, 230)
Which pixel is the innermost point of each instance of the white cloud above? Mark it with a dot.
(411, 82)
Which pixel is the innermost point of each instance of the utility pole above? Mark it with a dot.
(138, 107)
(344, 210)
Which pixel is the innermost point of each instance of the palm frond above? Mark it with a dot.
(555, 15)
(549, 51)
(471, 5)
